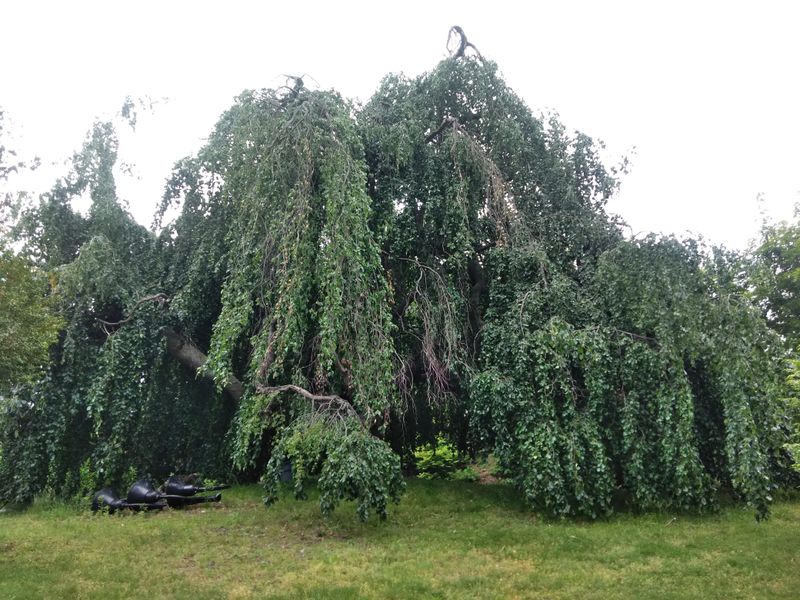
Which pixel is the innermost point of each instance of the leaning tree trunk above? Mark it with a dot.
(188, 354)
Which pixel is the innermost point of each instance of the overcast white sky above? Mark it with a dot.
(707, 92)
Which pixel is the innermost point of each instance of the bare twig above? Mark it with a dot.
(321, 402)
(637, 336)
(160, 298)
(297, 84)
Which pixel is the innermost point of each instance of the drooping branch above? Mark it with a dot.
(498, 202)
(161, 298)
(180, 347)
(330, 402)
(439, 342)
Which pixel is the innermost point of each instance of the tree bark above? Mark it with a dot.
(186, 352)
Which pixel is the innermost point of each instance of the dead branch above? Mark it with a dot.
(497, 202)
(404, 379)
(293, 90)
(434, 339)
(448, 121)
(463, 42)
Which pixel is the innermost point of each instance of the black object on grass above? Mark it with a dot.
(108, 499)
(144, 496)
(177, 485)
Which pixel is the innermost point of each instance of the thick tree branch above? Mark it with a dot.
(476, 294)
(269, 358)
(463, 43)
(343, 366)
(637, 336)
(188, 354)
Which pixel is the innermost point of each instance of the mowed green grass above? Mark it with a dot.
(445, 540)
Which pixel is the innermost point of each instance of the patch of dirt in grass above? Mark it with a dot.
(485, 475)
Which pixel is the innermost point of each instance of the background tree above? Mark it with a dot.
(112, 401)
(777, 276)
(28, 326)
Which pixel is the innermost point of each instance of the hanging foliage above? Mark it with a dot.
(304, 303)
(344, 283)
(111, 402)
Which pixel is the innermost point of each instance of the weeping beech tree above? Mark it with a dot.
(305, 302)
(342, 283)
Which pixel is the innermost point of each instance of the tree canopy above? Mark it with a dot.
(776, 276)
(775, 282)
(343, 283)
(28, 326)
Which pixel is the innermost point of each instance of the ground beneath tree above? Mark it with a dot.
(445, 540)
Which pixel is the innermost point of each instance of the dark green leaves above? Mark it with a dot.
(437, 264)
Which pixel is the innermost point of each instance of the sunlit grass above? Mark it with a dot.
(445, 540)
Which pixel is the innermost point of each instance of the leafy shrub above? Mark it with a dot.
(466, 474)
(438, 461)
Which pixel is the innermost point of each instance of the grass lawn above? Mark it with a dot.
(445, 540)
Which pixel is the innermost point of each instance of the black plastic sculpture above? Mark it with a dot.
(182, 486)
(144, 496)
(180, 493)
(143, 492)
(108, 499)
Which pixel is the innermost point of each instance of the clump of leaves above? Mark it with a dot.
(28, 323)
(346, 462)
(438, 460)
(437, 262)
(793, 411)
